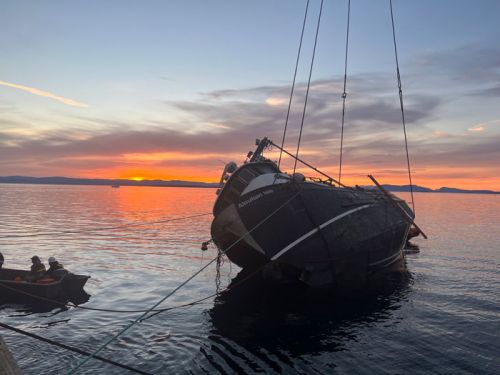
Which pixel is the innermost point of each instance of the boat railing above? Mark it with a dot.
(319, 180)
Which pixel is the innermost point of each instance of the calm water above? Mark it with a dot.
(444, 319)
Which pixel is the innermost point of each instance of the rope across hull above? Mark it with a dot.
(322, 236)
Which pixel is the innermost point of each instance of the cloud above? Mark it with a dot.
(275, 102)
(466, 74)
(488, 92)
(472, 62)
(439, 133)
(46, 94)
(218, 126)
(228, 121)
(224, 124)
(476, 128)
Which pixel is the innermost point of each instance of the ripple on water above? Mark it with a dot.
(444, 320)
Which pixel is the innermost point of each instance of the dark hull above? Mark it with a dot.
(318, 234)
(21, 291)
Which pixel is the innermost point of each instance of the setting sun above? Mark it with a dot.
(137, 178)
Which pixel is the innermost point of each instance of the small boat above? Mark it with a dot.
(15, 288)
(116, 186)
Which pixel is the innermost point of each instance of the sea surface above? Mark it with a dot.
(444, 318)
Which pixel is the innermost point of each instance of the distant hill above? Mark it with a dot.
(96, 181)
(454, 190)
(416, 188)
(179, 183)
(421, 189)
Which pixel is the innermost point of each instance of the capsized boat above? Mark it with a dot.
(15, 288)
(312, 231)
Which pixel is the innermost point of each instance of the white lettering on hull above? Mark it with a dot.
(255, 197)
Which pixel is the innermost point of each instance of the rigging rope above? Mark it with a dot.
(402, 106)
(230, 287)
(154, 313)
(293, 83)
(344, 93)
(70, 304)
(70, 348)
(308, 86)
(102, 228)
(140, 318)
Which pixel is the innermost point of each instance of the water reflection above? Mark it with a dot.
(20, 310)
(254, 320)
(27, 305)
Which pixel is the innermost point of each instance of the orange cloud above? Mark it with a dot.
(274, 102)
(218, 126)
(476, 128)
(159, 156)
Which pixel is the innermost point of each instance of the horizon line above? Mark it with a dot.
(208, 184)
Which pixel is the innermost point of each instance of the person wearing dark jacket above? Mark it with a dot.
(55, 268)
(37, 269)
(1, 261)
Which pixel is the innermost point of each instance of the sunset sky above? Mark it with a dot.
(174, 89)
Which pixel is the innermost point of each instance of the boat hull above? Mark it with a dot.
(314, 233)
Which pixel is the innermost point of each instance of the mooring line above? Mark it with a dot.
(103, 228)
(128, 326)
(401, 104)
(65, 304)
(293, 84)
(71, 348)
(229, 287)
(154, 312)
(308, 86)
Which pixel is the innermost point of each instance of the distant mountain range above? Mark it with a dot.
(98, 181)
(179, 183)
(421, 189)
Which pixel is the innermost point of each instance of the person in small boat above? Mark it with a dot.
(37, 269)
(55, 268)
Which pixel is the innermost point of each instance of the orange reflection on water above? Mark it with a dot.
(149, 203)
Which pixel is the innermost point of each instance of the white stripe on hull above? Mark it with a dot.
(315, 230)
(394, 255)
(385, 259)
